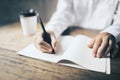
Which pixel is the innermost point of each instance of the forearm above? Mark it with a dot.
(114, 30)
(62, 18)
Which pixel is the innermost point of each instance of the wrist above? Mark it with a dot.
(110, 36)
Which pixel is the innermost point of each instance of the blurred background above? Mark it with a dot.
(10, 9)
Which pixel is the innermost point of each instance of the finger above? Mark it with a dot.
(102, 49)
(54, 42)
(96, 46)
(90, 45)
(108, 49)
(40, 44)
(45, 44)
(55, 46)
(44, 49)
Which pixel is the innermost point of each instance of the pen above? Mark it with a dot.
(46, 35)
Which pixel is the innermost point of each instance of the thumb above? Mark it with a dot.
(54, 42)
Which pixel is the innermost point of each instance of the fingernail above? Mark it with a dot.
(94, 55)
(98, 56)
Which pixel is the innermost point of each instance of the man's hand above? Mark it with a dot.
(42, 45)
(102, 44)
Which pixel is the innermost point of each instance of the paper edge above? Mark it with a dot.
(108, 66)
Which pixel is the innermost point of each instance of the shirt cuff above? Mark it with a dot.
(114, 32)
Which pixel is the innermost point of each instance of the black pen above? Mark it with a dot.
(46, 35)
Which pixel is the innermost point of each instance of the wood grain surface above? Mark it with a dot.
(16, 67)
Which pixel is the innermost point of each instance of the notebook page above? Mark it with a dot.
(64, 43)
(79, 53)
(31, 51)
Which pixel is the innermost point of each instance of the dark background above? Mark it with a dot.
(10, 9)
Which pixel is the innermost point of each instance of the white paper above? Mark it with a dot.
(79, 53)
(72, 49)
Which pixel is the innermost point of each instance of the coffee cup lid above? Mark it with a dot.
(28, 13)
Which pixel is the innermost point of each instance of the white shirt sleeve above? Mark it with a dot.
(114, 29)
(62, 18)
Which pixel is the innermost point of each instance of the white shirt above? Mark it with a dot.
(90, 14)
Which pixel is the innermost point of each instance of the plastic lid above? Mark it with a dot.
(28, 13)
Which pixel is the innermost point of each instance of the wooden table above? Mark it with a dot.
(15, 67)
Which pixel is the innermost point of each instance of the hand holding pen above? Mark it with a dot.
(45, 41)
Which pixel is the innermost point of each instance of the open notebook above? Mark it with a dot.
(72, 51)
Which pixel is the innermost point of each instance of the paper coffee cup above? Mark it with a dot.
(28, 19)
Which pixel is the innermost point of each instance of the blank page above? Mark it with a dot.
(31, 51)
(79, 53)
